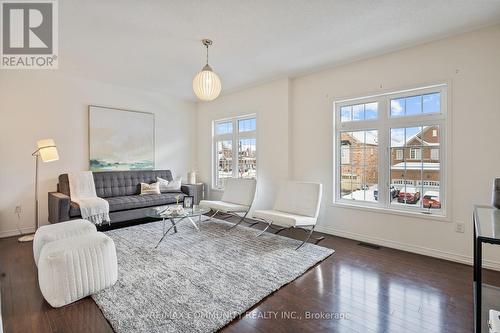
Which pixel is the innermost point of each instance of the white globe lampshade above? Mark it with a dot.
(206, 84)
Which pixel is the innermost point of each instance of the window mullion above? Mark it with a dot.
(384, 154)
(215, 164)
(422, 156)
(247, 135)
(221, 137)
(443, 160)
(235, 149)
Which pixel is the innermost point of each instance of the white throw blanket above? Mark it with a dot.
(82, 191)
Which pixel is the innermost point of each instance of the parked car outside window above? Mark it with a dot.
(431, 200)
(409, 196)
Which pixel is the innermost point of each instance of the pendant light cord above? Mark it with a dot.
(207, 53)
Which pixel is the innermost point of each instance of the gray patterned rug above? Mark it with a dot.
(197, 281)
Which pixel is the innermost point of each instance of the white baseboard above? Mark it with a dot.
(15, 232)
(490, 264)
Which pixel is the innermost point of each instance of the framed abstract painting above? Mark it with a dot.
(121, 139)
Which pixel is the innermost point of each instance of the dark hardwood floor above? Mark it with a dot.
(357, 289)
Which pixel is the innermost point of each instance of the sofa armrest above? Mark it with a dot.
(59, 205)
(188, 189)
(193, 190)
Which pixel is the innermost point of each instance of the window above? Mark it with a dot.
(359, 112)
(224, 128)
(435, 154)
(416, 105)
(415, 154)
(345, 154)
(236, 137)
(224, 160)
(360, 173)
(409, 125)
(399, 154)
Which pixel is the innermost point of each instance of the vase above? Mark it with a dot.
(496, 193)
(191, 178)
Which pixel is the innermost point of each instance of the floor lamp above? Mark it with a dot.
(47, 152)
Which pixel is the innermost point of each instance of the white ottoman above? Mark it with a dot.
(73, 268)
(52, 232)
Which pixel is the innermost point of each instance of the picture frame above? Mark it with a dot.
(120, 139)
(188, 202)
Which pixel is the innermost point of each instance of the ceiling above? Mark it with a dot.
(154, 45)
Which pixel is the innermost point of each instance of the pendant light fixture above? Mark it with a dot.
(206, 84)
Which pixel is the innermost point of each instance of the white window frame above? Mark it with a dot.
(415, 153)
(234, 137)
(434, 154)
(399, 154)
(345, 154)
(383, 125)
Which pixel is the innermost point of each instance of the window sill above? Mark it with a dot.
(381, 210)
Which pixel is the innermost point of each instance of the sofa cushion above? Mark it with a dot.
(285, 219)
(133, 202)
(225, 207)
(118, 183)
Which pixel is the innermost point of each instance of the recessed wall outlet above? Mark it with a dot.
(460, 227)
(18, 210)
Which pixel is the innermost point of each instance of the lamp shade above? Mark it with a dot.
(47, 149)
(206, 84)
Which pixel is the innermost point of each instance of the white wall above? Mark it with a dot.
(270, 103)
(47, 104)
(470, 63)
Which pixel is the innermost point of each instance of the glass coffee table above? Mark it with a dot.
(175, 218)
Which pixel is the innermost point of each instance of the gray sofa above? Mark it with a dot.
(121, 189)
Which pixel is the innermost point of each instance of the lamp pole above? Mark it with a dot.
(47, 152)
(37, 157)
(29, 238)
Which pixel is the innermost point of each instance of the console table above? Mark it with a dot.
(486, 221)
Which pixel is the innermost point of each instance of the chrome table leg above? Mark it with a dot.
(194, 224)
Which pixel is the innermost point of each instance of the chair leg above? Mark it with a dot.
(317, 240)
(307, 238)
(265, 229)
(241, 220)
(252, 224)
(212, 215)
(225, 217)
(279, 230)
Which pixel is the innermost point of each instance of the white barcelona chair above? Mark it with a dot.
(296, 206)
(237, 199)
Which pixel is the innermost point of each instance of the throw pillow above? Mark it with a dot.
(150, 188)
(163, 184)
(169, 186)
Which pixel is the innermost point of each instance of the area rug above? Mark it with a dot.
(197, 281)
